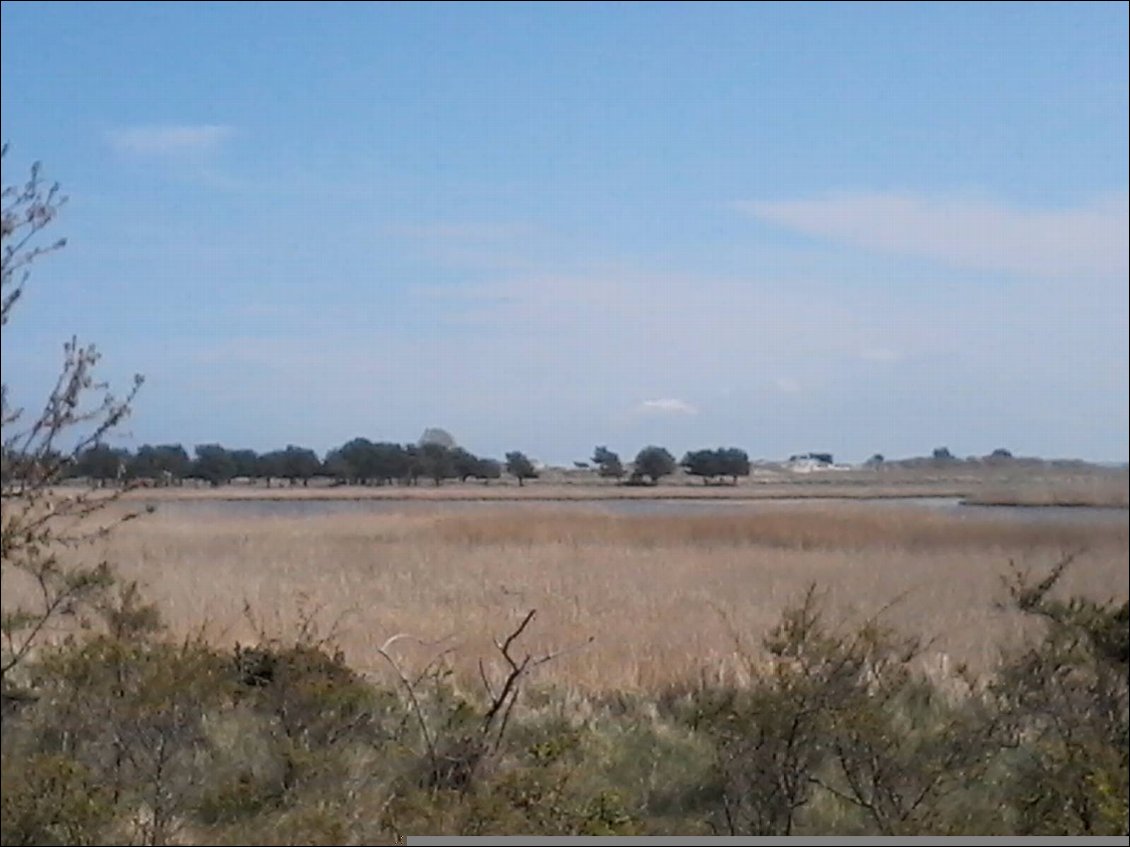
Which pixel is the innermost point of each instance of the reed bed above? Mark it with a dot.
(635, 602)
(1111, 490)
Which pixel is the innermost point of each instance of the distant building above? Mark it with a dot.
(813, 458)
(809, 462)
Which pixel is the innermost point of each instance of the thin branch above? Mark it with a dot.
(505, 646)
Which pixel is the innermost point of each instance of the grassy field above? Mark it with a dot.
(662, 712)
(661, 597)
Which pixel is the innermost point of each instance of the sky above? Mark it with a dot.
(847, 228)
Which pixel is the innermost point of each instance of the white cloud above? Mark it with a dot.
(667, 406)
(168, 140)
(787, 385)
(971, 233)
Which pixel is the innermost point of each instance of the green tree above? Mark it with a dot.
(164, 462)
(102, 464)
(464, 464)
(438, 462)
(246, 463)
(733, 462)
(271, 465)
(388, 462)
(703, 463)
(488, 469)
(336, 466)
(517, 465)
(1000, 456)
(292, 464)
(300, 463)
(358, 459)
(214, 463)
(654, 463)
(608, 463)
(414, 465)
(1066, 704)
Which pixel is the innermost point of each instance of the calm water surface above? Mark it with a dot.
(311, 508)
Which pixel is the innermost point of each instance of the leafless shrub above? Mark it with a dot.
(40, 520)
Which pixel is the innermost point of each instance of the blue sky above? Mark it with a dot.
(851, 227)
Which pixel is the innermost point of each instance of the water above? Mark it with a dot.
(313, 508)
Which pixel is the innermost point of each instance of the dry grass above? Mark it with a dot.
(842, 528)
(664, 597)
(1111, 490)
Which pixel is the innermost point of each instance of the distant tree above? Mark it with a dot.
(438, 462)
(388, 462)
(732, 462)
(602, 454)
(709, 464)
(517, 465)
(703, 463)
(943, 454)
(163, 462)
(1000, 453)
(362, 462)
(102, 464)
(214, 463)
(875, 461)
(464, 464)
(414, 465)
(488, 469)
(359, 458)
(299, 463)
(246, 463)
(581, 466)
(608, 463)
(271, 465)
(14, 462)
(336, 466)
(654, 463)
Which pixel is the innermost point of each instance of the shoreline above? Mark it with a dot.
(1021, 504)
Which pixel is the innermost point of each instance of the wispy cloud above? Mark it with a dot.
(971, 233)
(163, 140)
(667, 406)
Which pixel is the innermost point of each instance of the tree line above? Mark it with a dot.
(357, 462)
(364, 462)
